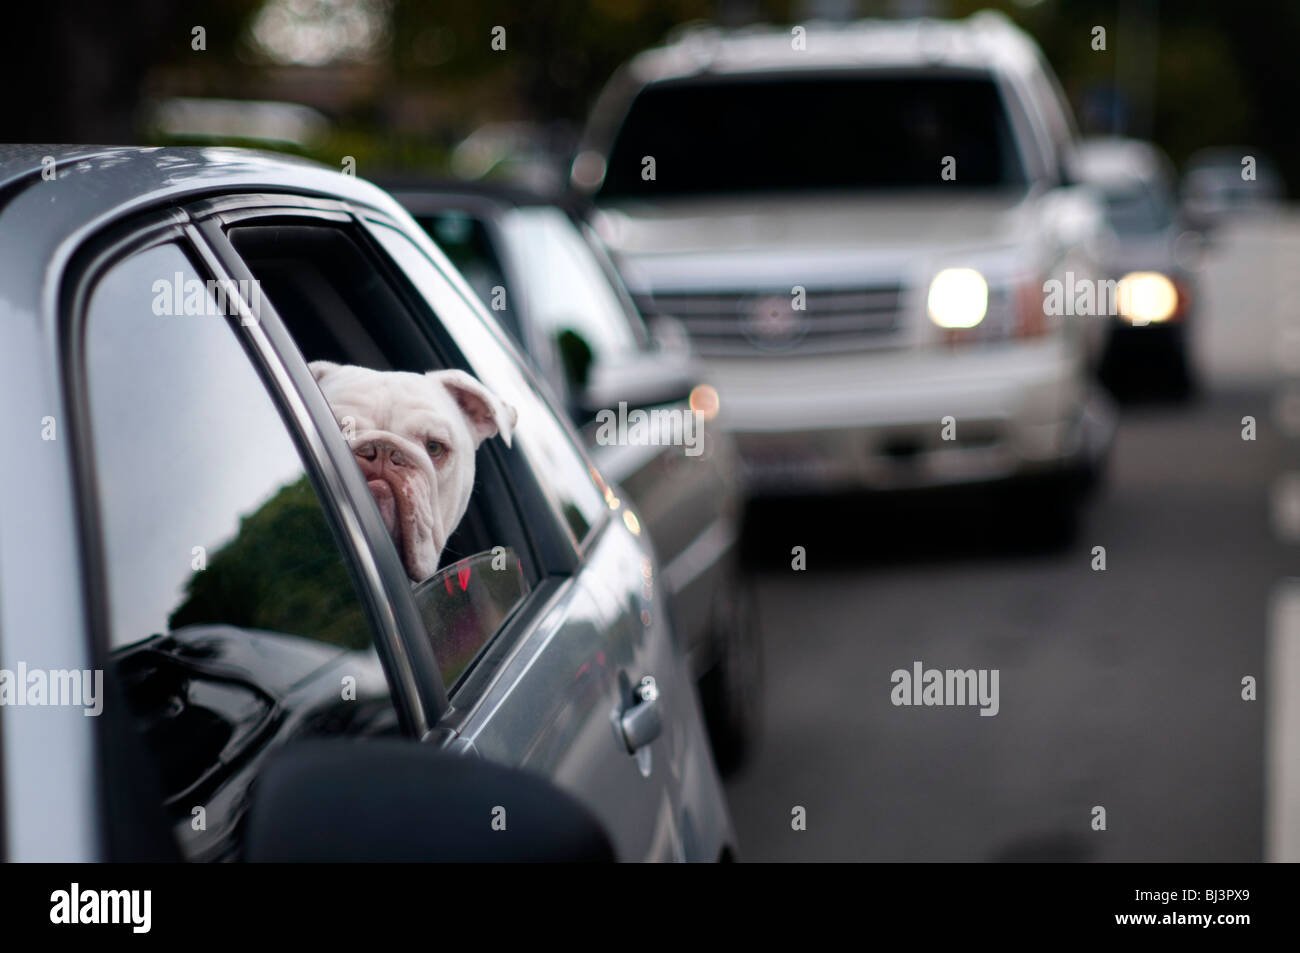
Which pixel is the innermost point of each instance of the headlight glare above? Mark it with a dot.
(1146, 297)
(959, 298)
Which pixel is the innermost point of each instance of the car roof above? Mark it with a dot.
(985, 40)
(42, 222)
(1114, 160)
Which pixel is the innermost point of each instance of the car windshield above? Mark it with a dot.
(1137, 209)
(795, 133)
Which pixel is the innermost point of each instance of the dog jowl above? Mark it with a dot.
(414, 437)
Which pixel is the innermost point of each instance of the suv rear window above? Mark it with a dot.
(796, 133)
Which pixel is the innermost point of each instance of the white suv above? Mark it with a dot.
(856, 225)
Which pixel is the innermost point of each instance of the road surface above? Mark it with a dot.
(1118, 689)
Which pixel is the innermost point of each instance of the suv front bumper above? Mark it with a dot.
(880, 420)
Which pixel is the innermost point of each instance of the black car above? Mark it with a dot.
(1150, 254)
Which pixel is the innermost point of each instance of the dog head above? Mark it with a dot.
(414, 437)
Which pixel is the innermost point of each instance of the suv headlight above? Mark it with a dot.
(958, 298)
(971, 311)
(1147, 297)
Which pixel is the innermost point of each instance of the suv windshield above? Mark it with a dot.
(796, 132)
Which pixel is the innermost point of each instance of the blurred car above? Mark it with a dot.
(181, 514)
(856, 232)
(1150, 255)
(549, 281)
(1222, 183)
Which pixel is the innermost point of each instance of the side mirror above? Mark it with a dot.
(386, 801)
(575, 358)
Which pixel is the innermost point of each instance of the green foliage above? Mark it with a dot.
(281, 572)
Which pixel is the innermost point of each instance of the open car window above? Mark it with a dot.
(340, 301)
(574, 490)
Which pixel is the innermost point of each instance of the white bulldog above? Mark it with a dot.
(414, 437)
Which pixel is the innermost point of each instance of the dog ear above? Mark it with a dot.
(321, 369)
(487, 413)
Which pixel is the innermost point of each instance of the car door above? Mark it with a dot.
(671, 776)
(233, 612)
(546, 687)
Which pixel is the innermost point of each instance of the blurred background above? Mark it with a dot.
(399, 83)
(1120, 688)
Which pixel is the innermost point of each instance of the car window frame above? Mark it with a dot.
(1032, 129)
(93, 261)
(557, 555)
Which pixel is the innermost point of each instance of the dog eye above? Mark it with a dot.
(436, 449)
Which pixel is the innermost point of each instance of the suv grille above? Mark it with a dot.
(745, 323)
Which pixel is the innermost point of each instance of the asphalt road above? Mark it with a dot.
(1118, 688)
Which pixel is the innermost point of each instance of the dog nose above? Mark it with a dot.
(372, 450)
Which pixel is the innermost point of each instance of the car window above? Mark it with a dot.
(571, 299)
(854, 132)
(334, 295)
(572, 486)
(464, 603)
(234, 623)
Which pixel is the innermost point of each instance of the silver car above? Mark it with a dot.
(189, 553)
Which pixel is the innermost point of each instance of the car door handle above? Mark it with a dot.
(641, 723)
